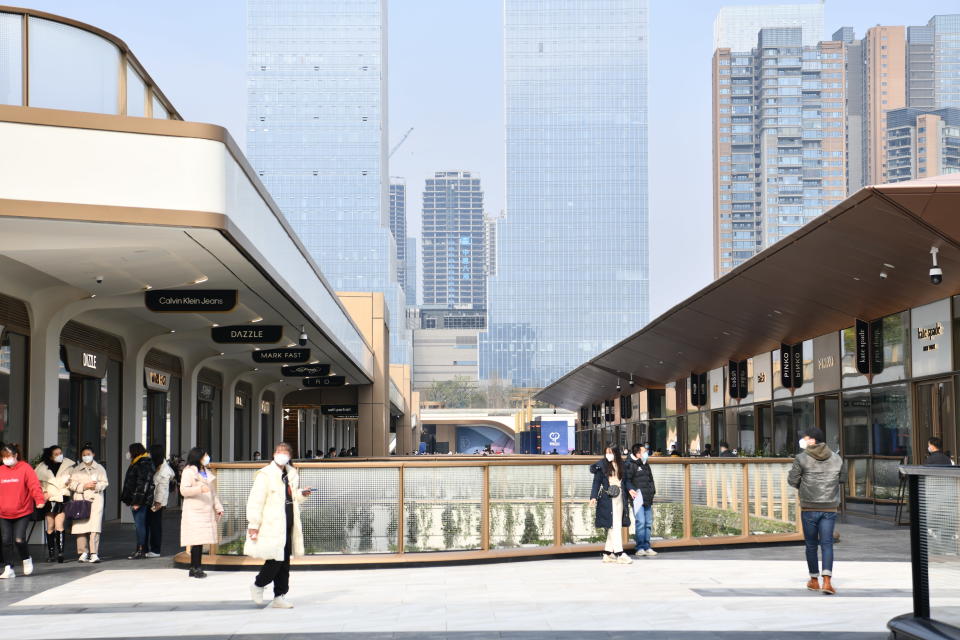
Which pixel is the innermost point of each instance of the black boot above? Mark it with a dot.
(51, 546)
(58, 538)
(139, 554)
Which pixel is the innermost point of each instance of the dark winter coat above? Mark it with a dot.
(937, 458)
(604, 518)
(816, 475)
(138, 483)
(638, 476)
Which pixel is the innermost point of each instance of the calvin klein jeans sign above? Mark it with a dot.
(289, 354)
(329, 381)
(253, 334)
(306, 370)
(185, 301)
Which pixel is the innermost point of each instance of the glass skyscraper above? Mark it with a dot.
(317, 136)
(398, 226)
(736, 27)
(572, 252)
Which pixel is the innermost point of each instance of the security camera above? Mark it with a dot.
(883, 275)
(303, 337)
(99, 279)
(936, 273)
(619, 387)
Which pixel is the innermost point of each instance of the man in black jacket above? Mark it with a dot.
(638, 481)
(936, 457)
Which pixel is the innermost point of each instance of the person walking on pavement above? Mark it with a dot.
(612, 513)
(816, 475)
(137, 493)
(274, 531)
(162, 478)
(936, 457)
(20, 492)
(201, 508)
(88, 481)
(638, 481)
(53, 471)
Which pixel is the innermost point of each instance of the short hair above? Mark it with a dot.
(724, 445)
(814, 432)
(635, 449)
(86, 447)
(284, 445)
(935, 441)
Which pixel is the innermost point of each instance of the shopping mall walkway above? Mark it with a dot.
(737, 593)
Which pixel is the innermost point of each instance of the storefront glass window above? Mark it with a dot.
(856, 441)
(891, 438)
(694, 431)
(895, 348)
(13, 353)
(783, 432)
(804, 417)
(745, 425)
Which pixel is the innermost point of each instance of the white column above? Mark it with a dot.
(227, 426)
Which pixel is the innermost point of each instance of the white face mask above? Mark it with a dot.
(803, 443)
(58, 459)
(205, 461)
(9, 461)
(930, 449)
(609, 457)
(644, 456)
(87, 459)
(128, 455)
(281, 459)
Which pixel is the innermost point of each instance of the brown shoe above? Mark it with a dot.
(827, 587)
(813, 584)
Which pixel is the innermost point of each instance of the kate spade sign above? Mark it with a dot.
(252, 334)
(183, 301)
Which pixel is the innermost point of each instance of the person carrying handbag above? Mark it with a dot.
(88, 481)
(612, 512)
(53, 471)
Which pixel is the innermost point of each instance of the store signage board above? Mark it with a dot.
(796, 352)
(306, 370)
(328, 381)
(742, 373)
(85, 363)
(786, 366)
(862, 337)
(931, 338)
(734, 377)
(286, 355)
(187, 301)
(156, 380)
(876, 346)
(247, 334)
(341, 410)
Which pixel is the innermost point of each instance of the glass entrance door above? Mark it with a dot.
(935, 417)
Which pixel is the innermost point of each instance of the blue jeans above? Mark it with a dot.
(818, 532)
(644, 523)
(140, 522)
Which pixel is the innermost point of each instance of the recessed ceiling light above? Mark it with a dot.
(215, 325)
(173, 330)
(147, 287)
(201, 280)
(888, 265)
(257, 319)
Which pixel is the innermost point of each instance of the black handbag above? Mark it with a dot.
(78, 509)
(613, 491)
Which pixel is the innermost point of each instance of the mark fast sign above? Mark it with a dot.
(306, 370)
(289, 354)
(243, 334)
(186, 301)
(328, 381)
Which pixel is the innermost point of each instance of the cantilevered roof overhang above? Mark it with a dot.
(819, 279)
(161, 204)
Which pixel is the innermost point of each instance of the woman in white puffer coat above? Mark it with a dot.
(274, 531)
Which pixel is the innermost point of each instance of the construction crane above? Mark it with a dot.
(402, 140)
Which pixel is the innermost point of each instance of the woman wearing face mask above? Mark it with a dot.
(201, 508)
(607, 496)
(54, 474)
(161, 494)
(137, 493)
(274, 532)
(19, 493)
(88, 481)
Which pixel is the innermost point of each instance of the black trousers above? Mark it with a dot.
(13, 533)
(276, 571)
(196, 556)
(154, 529)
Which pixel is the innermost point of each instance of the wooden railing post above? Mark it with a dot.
(687, 503)
(400, 520)
(485, 510)
(558, 505)
(745, 507)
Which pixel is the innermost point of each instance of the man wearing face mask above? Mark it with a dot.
(274, 532)
(816, 475)
(638, 480)
(935, 456)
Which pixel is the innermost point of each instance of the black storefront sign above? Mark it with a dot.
(183, 301)
(82, 362)
(328, 381)
(876, 346)
(247, 334)
(863, 346)
(791, 365)
(737, 376)
(796, 352)
(742, 374)
(869, 353)
(341, 410)
(306, 370)
(698, 389)
(156, 380)
(288, 354)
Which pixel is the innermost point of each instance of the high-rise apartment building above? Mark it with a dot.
(490, 229)
(317, 136)
(572, 253)
(410, 273)
(736, 27)
(779, 140)
(452, 242)
(398, 226)
(922, 143)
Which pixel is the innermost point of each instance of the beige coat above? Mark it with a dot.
(198, 523)
(266, 511)
(55, 486)
(81, 474)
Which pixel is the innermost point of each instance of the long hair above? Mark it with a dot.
(195, 458)
(156, 454)
(607, 466)
(48, 453)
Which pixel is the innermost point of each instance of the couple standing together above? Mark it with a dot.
(611, 477)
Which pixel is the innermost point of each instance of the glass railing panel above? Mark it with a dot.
(668, 504)
(939, 502)
(233, 487)
(578, 516)
(11, 59)
(773, 503)
(442, 508)
(521, 506)
(716, 496)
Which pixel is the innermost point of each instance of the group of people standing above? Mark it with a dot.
(621, 487)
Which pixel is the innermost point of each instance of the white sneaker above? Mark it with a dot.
(94, 559)
(256, 594)
(84, 557)
(28, 566)
(151, 554)
(640, 554)
(8, 572)
(280, 603)
(651, 552)
(624, 559)
(608, 557)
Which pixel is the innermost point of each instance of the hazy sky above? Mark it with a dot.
(445, 81)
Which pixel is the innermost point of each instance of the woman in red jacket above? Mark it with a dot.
(20, 492)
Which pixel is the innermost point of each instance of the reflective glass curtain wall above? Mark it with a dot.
(317, 136)
(572, 252)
